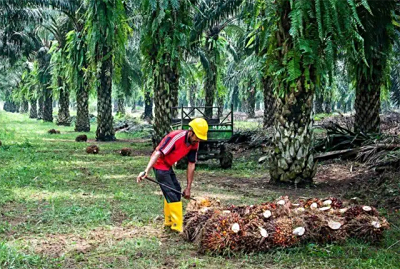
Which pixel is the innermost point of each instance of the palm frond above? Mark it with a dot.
(211, 12)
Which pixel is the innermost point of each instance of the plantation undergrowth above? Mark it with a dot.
(63, 208)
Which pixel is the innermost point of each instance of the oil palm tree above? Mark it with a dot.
(209, 42)
(369, 77)
(9, 82)
(18, 30)
(305, 37)
(59, 28)
(43, 58)
(395, 74)
(131, 75)
(166, 25)
(76, 48)
(107, 32)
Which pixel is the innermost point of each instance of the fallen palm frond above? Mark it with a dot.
(341, 138)
(374, 154)
(343, 143)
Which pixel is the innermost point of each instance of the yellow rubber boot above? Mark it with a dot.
(167, 214)
(176, 216)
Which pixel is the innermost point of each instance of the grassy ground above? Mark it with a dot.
(63, 208)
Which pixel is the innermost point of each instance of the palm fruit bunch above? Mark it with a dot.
(194, 222)
(202, 203)
(324, 227)
(223, 233)
(336, 203)
(92, 149)
(280, 223)
(199, 211)
(53, 131)
(81, 138)
(256, 235)
(358, 210)
(125, 152)
(286, 233)
(363, 222)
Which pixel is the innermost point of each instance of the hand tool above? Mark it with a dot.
(168, 187)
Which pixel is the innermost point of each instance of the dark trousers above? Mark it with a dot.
(168, 178)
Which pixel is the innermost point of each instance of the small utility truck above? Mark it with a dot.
(220, 130)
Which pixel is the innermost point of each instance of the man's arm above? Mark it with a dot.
(189, 175)
(150, 165)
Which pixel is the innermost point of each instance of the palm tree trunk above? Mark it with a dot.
(63, 117)
(48, 105)
(33, 114)
(235, 98)
(269, 103)
(82, 123)
(162, 110)
(367, 105)
(292, 160)
(41, 107)
(6, 106)
(105, 130)
(240, 105)
(163, 102)
(379, 37)
(210, 89)
(318, 104)
(251, 102)
(148, 106)
(220, 101)
(9, 104)
(120, 106)
(24, 107)
(192, 98)
(328, 107)
(172, 76)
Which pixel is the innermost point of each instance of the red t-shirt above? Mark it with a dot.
(174, 147)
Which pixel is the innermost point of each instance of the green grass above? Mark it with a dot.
(247, 125)
(63, 208)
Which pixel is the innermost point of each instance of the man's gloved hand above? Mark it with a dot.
(141, 176)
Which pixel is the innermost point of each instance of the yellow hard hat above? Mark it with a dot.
(199, 127)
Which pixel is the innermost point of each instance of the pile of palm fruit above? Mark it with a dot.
(280, 223)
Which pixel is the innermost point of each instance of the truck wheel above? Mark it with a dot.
(226, 159)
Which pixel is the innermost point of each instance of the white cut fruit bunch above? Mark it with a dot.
(299, 231)
(367, 208)
(204, 209)
(376, 224)
(263, 232)
(267, 214)
(235, 227)
(325, 208)
(334, 225)
(300, 210)
(281, 202)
